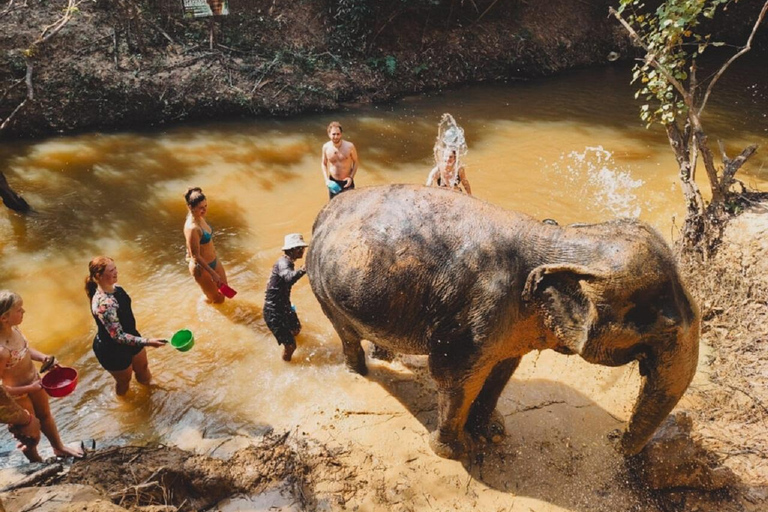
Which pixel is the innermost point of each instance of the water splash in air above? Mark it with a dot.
(604, 185)
(450, 140)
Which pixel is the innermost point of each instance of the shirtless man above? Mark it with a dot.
(339, 163)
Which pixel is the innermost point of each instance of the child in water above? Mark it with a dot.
(278, 313)
(20, 378)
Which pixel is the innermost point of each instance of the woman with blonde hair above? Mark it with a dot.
(204, 265)
(449, 147)
(118, 345)
(20, 378)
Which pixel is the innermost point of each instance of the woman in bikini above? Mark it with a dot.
(118, 345)
(20, 377)
(204, 266)
(444, 174)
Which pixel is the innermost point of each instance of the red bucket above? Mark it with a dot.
(60, 381)
(227, 291)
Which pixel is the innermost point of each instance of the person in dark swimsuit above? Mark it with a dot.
(118, 345)
(279, 315)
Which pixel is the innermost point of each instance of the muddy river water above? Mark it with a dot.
(570, 148)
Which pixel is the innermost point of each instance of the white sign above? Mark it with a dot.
(204, 8)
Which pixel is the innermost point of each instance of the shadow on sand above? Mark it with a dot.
(556, 449)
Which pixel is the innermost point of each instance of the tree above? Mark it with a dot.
(674, 96)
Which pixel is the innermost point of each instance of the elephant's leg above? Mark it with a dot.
(482, 411)
(665, 377)
(457, 388)
(353, 350)
(350, 341)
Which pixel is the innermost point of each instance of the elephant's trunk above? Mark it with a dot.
(666, 374)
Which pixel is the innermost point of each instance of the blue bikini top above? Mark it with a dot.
(206, 236)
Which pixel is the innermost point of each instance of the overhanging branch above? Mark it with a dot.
(730, 61)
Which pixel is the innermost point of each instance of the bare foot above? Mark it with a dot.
(66, 451)
(30, 452)
(288, 352)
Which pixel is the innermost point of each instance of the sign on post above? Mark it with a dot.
(205, 8)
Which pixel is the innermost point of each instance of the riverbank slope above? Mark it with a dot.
(128, 63)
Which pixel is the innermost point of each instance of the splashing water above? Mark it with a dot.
(608, 189)
(450, 140)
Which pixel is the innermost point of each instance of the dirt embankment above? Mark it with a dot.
(132, 63)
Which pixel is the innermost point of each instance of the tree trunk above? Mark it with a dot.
(694, 227)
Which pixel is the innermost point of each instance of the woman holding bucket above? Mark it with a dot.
(118, 345)
(204, 266)
(20, 377)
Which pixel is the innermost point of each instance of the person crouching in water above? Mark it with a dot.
(281, 318)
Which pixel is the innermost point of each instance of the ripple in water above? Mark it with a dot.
(605, 187)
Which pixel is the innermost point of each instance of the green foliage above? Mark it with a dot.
(386, 64)
(672, 45)
(420, 69)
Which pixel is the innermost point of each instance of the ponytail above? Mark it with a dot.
(96, 268)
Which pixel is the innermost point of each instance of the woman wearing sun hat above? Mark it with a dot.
(278, 313)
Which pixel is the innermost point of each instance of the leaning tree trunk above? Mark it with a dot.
(694, 228)
(11, 199)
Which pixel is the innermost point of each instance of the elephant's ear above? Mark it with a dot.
(559, 292)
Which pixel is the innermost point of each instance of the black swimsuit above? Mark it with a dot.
(114, 356)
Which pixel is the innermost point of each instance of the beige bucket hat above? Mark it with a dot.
(293, 241)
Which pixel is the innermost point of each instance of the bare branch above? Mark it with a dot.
(7, 9)
(732, 167)
(730, 61)
(8, 119)
(54, 28)
(10, 88)
(28, 79)
(486, 11)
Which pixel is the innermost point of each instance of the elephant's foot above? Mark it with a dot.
(358, 366)
(378, 352)
(451, 449)
(355, 358)
(491, 429)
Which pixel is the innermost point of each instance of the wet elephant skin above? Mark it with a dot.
(429, 271)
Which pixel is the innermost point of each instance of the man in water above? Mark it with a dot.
(279, 315)
(339, 163)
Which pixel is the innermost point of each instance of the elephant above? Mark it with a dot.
(474, 287)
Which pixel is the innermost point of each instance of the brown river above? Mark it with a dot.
(570, 147)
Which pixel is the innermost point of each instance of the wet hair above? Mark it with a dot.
(334, 124)
(194, 196)
(96, 268)
(7, 300)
